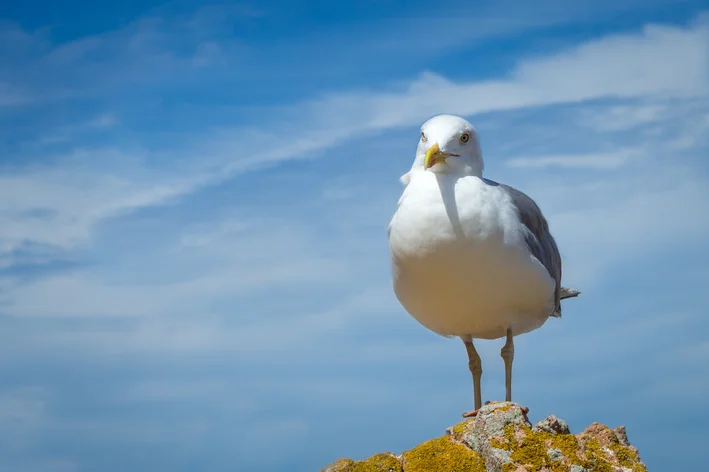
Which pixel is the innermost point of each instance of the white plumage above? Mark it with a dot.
(470, 257)
(462, 267)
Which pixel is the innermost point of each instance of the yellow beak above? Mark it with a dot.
(434, 156)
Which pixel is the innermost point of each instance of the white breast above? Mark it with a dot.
(459, 262)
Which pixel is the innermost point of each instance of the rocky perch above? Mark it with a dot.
(501, 439)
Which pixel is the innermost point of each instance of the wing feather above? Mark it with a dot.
(539, 239)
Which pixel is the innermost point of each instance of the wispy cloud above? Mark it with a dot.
(190, 274)
(618, 66)
(57, 206)
(152, 49)
(630, 65)
(169, 46)
(250, 263)
(601, 161)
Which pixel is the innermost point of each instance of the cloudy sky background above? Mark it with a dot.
(193, 203)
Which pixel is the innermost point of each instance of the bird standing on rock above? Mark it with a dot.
(471, 258)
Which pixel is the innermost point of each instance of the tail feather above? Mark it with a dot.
(563, 294)
(568, 293)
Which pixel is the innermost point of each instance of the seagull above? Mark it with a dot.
(471, 258)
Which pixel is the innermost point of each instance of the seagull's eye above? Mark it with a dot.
(464, 138)
(423, 137)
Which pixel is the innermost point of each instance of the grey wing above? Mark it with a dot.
(539, 240)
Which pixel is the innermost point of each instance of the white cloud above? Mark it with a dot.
(173, 322)
(680, 124)
(646, 204)
(616, 66)
(624, 117)
(646, 218)
(613, 219)
(598, 161)
(85, 294)
(74, 131)
(57, 207)
(148, 50)
(220, 233)
(628, 65)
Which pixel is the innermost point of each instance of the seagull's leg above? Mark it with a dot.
(476, 368)
(508, 354)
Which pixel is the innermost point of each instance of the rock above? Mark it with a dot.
(555, 455)
(488, 432)
(383, 462)
(501, 439)
(553, 425)
(442, 454)
(622, 435)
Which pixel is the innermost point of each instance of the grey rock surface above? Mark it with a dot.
(553, 425)
(489, 428)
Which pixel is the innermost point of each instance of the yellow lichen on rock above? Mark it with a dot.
(442, 454)
(605, 451)
(531, 451)
(459, 430)
(501, 439)
(383, 462)
(340, 465)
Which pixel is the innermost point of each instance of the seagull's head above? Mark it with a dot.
(449, 145)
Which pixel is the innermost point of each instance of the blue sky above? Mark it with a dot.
(193, 203)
